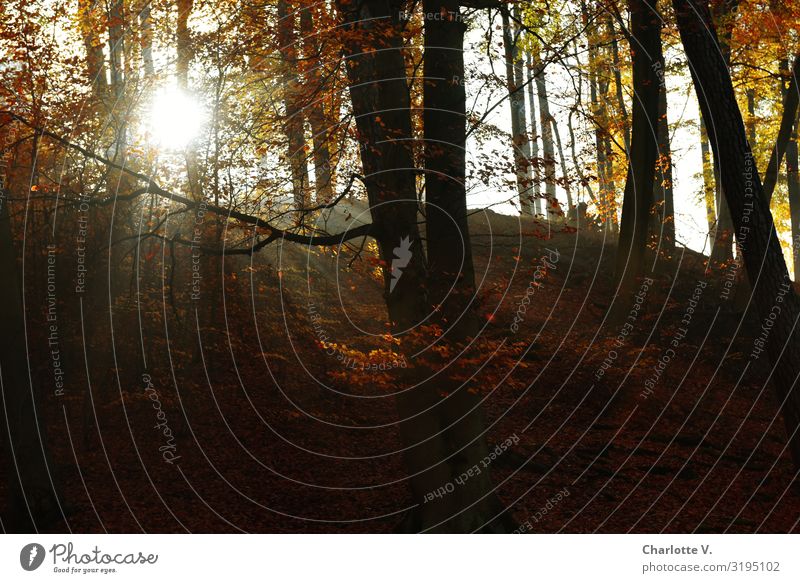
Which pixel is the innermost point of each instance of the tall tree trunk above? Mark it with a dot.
(116, 45)
(95, 61)
(118, 182)
(751, 117)
(638, 197)
(516, 100)
(34, 494)
(793, 186)
(774, 298)
(663, 191)
(185, 54)
(519, 82)
(451, 277)
(723, 16)
(184, 42)
(722, 249)
(617, 67)
(605, 196)
(437, 448)
(548, 150)
(146, 27)
(563, 161)
(708, 183)
(315, 95)
(534, 136)
(294, 122)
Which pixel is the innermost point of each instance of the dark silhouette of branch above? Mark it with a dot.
(152, 187)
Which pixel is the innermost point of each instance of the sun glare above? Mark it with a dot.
(175, 119)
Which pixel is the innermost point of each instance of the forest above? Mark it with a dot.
(399, 266)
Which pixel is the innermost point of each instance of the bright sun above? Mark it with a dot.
(175, 119)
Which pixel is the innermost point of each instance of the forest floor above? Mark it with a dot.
(272, 434)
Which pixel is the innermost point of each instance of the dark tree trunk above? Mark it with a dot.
(638, 197)
(663, 193)
(723, 16)
(793, 186)
(751, 117)
(472, 506)
(438, 445)
(34, 499)
(757, 239)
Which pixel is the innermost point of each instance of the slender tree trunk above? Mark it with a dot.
(95, 61)
(638, 197)
(185, 54)
(565, 176)
(315, 94)
(605, 196)
(723, 16)
(294, 121)
(548, 150)
(793, 186)
(751, 117)
(774, 298)
(516, 100)
(146, 27)
(663, 191)
(708, 183)
(184, 42)
(722, 251)
(534, 135)
(617, 66)
(118, 182)
(519, 82)
(116, 45)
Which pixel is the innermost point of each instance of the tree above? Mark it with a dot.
(548, 150)
(315, 95)
(534, 135)
(443, 436)
(35, 498)
(741, 184)
(294, 118)
(724, 16)
(793, 186)
(516, 99)
(638, 198)
(664, 225)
